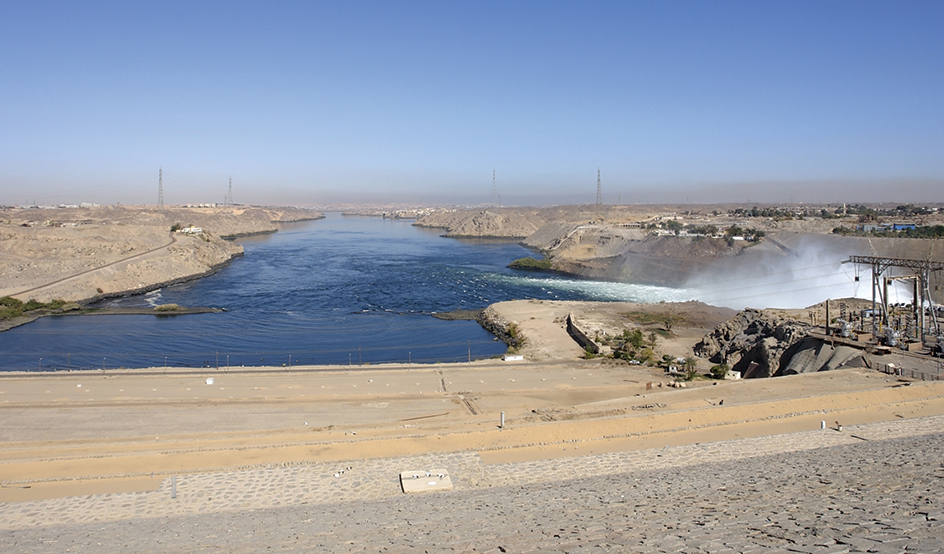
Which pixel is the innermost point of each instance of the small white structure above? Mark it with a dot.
(733, 375)
(192, 230)
(425, 481)
(513, 358)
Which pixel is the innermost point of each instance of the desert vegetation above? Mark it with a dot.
(11, 307)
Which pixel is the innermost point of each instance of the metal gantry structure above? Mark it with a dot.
(920, 276)
(160, 188)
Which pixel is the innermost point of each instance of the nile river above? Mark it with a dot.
(342, 290)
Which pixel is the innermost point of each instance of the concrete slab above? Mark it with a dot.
(425, 481)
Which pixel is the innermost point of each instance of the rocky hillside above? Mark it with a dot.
(224, 221)
(764, 344)
(82, 254)
(490, 223)
(620, 243)
(753, 337)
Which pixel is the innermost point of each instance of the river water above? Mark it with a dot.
(342, 290)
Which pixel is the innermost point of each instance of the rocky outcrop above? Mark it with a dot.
(506, 331)
(753, 342)
(84, 254)
(489, 223)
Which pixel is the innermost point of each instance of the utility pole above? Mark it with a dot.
(599, 189)
(160, 188)
(494, 190)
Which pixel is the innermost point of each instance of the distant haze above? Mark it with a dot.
(320, 103)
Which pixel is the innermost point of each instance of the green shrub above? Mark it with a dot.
(9, 313)
(645, 355)
(10, 302)
(634, 337)
(166, 308)
(719, 371)
(11, 307)
(531, 264)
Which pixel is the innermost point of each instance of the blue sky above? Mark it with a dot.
(315, 103)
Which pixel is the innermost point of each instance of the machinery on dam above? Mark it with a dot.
(913, 326)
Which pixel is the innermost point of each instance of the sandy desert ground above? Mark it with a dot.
(98, 432)
(308, 459)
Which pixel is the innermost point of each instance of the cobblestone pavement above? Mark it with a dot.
(872, 488)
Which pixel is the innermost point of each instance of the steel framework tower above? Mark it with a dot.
(599, 189)
(160, 188)
(494, 190)
(922, 292)
(229, 196)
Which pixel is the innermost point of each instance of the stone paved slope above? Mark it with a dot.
(871, 488)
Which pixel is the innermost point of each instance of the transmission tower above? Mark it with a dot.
(494, 190)
(229, 196)
(160, 188)
(599, 189)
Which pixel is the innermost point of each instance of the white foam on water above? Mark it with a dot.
(153, 298)
(548, 287)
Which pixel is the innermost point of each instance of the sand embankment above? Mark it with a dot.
(92, 433)
(81, 254)
(85, 456)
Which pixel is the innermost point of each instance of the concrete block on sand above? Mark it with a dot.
(425, 481)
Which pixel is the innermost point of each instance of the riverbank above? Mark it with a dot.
(720, 249)
(12, 323)
(87, 254)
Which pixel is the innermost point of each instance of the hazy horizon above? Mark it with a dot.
(418, 102)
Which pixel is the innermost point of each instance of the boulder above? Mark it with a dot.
(752, 342)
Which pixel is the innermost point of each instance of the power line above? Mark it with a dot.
(778, 292)
(788, 281)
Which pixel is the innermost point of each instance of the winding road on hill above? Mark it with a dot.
(173, 240)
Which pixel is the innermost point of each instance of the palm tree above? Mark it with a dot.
(690, 364)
